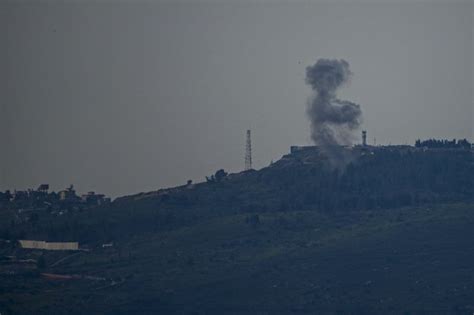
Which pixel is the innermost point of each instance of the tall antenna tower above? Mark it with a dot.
(364, 138)
(248, 152)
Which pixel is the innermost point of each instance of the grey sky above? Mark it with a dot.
(128, 97)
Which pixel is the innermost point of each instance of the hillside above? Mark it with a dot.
(390, 233)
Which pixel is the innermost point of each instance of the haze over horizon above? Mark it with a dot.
(122, 98)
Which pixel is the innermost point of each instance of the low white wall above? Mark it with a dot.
(31, 244)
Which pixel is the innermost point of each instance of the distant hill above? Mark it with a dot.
(389, 232)
(376, 178)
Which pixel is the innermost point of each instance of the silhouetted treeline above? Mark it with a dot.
(433, 143)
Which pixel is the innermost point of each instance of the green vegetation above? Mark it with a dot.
(390, 234)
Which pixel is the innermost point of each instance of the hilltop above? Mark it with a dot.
(389, 232)
(376, 178)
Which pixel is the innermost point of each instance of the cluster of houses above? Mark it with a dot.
(43, 199)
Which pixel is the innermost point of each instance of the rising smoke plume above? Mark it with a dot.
(333, 121)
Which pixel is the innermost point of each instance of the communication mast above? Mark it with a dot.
(248, 152)
(364, 138)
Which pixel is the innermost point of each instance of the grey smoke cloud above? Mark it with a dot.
(332, 120)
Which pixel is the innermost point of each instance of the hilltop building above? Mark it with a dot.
(43, 188)
(69, 194)
(91, 198)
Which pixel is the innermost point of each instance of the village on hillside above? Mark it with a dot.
(41, 199)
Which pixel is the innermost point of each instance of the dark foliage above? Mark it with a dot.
(447, 144)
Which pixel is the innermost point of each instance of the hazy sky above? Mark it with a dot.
(122, 97)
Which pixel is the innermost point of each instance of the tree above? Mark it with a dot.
(220, 174)
(217, 177)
